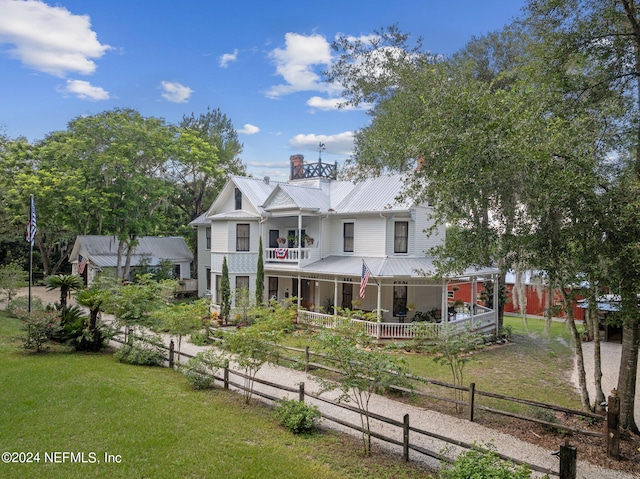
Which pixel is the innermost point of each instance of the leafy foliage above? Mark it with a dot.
(365, 368)
(483, 464)
(297, 416)
(12, 277)
(38, 328)
(147, 351)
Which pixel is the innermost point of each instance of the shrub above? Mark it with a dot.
(297, 416)
(483, 464)
(146, 351)
(18, 307)
(200, 371)
(38, 329)
(200, 338)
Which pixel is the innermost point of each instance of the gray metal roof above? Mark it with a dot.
(343, 197)
(103, 250)
(422, 267)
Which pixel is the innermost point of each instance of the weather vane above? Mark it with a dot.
(321, 148)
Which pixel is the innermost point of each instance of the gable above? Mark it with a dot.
(279, 200)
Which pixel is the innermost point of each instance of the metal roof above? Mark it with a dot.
(103, 250)
(422, 267)
(374, 195)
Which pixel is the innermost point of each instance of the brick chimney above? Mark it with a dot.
(297, 170)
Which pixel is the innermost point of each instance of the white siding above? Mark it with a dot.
(424, 222)
(220, 236)
(369, 236)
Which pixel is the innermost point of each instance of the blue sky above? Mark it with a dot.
(258, 61)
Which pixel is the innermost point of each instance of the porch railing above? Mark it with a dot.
(483, 322)
(291, 255)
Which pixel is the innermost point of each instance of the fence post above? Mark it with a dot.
(613, 431)
(472, 398)
(171, 352)
(568, 461)
(301, 392)
(226, 377)
(405, 438)
(306, 359)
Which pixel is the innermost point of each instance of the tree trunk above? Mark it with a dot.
(119, 259)
(594, 326)
(582, 376)
(628, 373)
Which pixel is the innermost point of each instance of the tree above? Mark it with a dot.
(225, 292)
(66, 283)
(365, 369)
(590, 51)
(12, 277)
(181, 319)
(260, 276)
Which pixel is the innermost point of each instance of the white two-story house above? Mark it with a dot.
(319, 235)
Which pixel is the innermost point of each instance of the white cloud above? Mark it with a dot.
(340, 144)
(228, 58)
(175, 92)
(296, 62)
(49, 39)
(85, 90)
(249, 129)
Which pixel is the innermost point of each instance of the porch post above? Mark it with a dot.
(299, 292)
(496, 307)
(335, 295)
(379, 306)
(299, 237)
(445, 311)
(474, 297)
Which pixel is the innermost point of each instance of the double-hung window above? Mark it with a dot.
(242, 237)
(401, 237)
(347, 236)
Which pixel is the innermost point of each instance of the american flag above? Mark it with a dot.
(364, 278)
(31, 224)
(82, 264)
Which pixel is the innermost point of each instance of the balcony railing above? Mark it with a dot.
(291, 255)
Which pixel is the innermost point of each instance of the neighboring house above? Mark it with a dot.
(318, 235)
(99, 254)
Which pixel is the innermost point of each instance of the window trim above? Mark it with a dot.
(352, 224)
(246, 238)
(397, 238)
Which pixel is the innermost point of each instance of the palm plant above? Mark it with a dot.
(66, 283)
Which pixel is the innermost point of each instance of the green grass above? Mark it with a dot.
(89, 403)
(530, 367)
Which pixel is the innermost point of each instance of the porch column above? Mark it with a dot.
(445, 312)
(335, 295)
(299, 237)
(299, 292)
(379, 306)
(496, 306)
(474, 296)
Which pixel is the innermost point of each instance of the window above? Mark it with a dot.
(450, 294)
(273, 239)
(399, 297)
(242, 237)
(292, 237)
(238, 198)
(208, 234)
(401, 237)
(347, 294)
(347, 235)
(208, 274)
(273, 287)
(242, 290)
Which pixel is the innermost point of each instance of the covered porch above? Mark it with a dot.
(402, 299)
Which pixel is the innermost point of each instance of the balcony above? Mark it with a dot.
(297, 256)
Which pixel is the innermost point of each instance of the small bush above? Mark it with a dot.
(297, 416)
(142, 352)
(200, 338)
(484, 464)
(199, 372)
(18, 308)
(38, 328)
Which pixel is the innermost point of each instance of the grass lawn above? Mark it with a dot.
(530, 367)
(150, 421)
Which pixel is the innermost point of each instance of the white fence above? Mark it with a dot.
(482, 323)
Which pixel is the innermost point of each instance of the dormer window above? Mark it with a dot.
(401, 237)
(238, 198)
